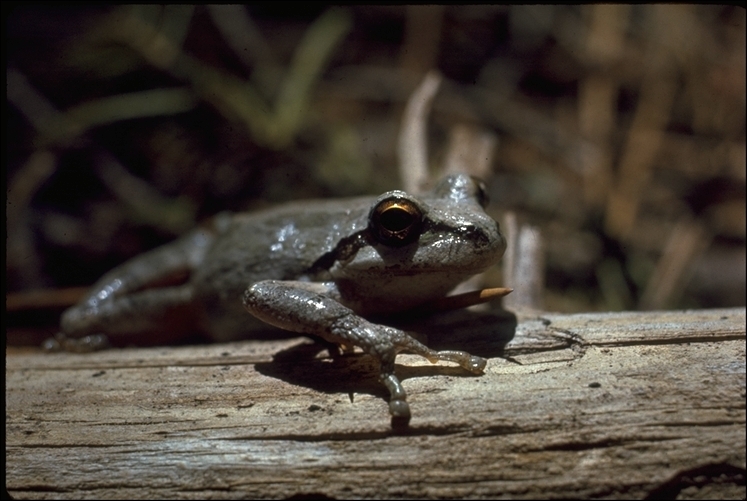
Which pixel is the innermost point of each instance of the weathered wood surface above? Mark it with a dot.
(622, 405)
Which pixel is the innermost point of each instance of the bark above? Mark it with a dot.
(607, 405)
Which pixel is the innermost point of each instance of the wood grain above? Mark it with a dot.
(609, 405)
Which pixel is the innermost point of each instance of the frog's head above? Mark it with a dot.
(416, 249)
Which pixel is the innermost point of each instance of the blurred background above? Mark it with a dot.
(619, 132)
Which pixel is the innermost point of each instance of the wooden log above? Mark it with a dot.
(603, 405)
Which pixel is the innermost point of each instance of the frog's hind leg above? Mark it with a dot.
(148, 294)
(164, 312)
(164, 266)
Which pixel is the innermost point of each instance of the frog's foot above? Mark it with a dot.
(301, 307)
(86, 344)
(387, 344)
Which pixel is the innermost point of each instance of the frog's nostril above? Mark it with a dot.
(474, 234)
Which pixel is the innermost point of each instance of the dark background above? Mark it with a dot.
(620, 131)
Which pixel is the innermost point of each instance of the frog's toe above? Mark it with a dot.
(400, 424)
(476, 364)
(51, 345)
(92, 342)
(399, 408)
(400, 411)
(86, 344)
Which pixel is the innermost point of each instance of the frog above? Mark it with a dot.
(330, 269)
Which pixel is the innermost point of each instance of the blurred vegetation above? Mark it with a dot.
(621, 130)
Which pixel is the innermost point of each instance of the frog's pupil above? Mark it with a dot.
(396, 219)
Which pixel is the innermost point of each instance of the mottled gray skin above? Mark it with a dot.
(312, 267)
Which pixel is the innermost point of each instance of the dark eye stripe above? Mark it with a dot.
(345, 249)
(468, 232)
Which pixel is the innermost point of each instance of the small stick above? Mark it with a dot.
(412, 144)
(467, 299)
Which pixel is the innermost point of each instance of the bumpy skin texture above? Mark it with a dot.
(322, 268)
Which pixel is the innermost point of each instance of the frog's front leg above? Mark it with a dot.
(306, 307)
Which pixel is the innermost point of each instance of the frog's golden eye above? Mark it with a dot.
(396, 221)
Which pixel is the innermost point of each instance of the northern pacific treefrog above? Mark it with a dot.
(322, 267)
